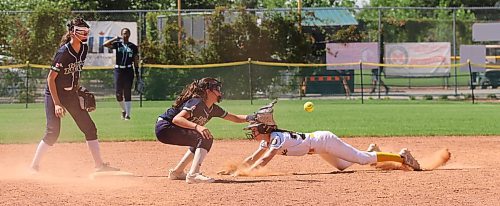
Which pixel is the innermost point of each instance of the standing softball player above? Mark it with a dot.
(126, 57)
(330, 147)
(61, 94)
(183, 124)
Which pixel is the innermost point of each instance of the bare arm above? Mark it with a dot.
(236, 118)
(181, 120)
(261, 162)
(60, 111)
(109, 43)
(246, 163)
(255, 156)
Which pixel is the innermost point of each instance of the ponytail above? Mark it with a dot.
(196, 89)
(190, 91)
(65, 39)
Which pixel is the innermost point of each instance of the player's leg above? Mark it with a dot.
(339, 148)
(177, 173)
(342, 164)
(87, 126)
(51, 132)
(118, 80)
(342, 150)
(336, 162)
(169, 134)
(128, 76)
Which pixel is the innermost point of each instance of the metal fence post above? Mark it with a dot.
(361, 73)
(27, 83)
(455, 49)
(250, 79)
(380, 45)
(471, 81)
(141, 63)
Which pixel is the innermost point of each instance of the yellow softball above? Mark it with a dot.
(308, 106)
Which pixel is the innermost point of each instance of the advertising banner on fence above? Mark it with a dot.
(338, 53)
(100, 31)
(427, 56)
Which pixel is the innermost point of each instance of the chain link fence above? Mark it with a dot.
(33, 37)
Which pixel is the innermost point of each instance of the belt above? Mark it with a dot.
(159, 118)
(122, 66)
(298, 135)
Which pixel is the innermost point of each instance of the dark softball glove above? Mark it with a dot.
(87, 99)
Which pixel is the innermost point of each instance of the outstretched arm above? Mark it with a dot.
(264, 160)
(238, 118)
(246, 163)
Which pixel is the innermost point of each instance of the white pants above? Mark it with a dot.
(340, 154)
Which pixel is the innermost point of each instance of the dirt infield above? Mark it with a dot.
(471, 177)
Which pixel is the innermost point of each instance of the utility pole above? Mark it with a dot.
(179, 20)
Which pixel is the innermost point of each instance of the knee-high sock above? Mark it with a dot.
(386, 156)
(199, 155)
(122, 105)
(40, 151)
(96, 152)
(128, 107)
(186, 159)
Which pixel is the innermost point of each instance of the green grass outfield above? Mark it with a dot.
(346, 118)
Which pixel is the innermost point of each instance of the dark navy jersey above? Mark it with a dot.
(200, 113)
(125, 52)
(68, 63)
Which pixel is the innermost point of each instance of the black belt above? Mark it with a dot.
(298, 135)
(123, 66)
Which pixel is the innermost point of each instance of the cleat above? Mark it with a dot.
(198, 178)
(173, 175)
(123, 115)
(373, 148)
(127, 117)
(106, 168)
(409, 159)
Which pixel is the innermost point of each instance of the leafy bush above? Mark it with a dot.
(443, 97)
(491, 96)
(427, 97)
(411, 97)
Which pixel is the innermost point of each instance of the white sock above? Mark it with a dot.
(122, 105)
(96, 152)
(40, 151)
(199, 155)
(128, 108)
(186, 159)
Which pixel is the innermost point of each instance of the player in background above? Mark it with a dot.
(61, 94)
(127, 56)
(330, 147)
(183, 124)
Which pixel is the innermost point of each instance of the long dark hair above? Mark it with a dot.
(197, 88)
(78, 21)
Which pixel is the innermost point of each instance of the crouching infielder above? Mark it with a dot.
(331, 148)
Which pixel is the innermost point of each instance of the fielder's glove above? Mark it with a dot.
(87, 99)
(139, 86)
(265, 114)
